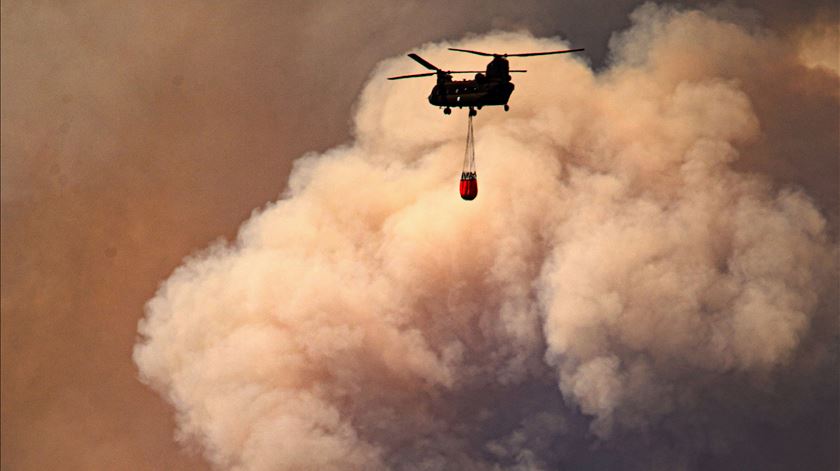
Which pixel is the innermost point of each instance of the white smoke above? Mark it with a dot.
(614, 264)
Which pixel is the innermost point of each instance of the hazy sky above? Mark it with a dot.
(133, 136)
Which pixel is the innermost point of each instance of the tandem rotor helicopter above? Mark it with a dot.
(491, 87)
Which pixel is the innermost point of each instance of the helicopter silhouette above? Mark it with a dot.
(490, 87)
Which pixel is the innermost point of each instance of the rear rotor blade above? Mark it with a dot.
(529, 54)
(412, 76)
(520, 71)
(423, 62)
(524, 54)
(471, 52)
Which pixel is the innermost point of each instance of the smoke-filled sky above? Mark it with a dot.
(647, 279)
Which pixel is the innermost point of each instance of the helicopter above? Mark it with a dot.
(490, 87)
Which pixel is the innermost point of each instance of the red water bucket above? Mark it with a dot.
(469, 186)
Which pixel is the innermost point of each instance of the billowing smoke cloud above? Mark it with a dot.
(122, 121)
(621, 294)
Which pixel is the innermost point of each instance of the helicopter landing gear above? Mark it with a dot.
(473, 112)
(507, 108)
(447, 111)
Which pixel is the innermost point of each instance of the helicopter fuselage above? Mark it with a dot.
(471, 93)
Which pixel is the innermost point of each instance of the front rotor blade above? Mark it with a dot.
(471, 52)
(528, 54)
(520, 71)
(423, 62)
(411, 76)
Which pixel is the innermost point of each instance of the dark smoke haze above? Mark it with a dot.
(133, 135)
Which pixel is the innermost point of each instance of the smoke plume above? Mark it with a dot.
(639, 284)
